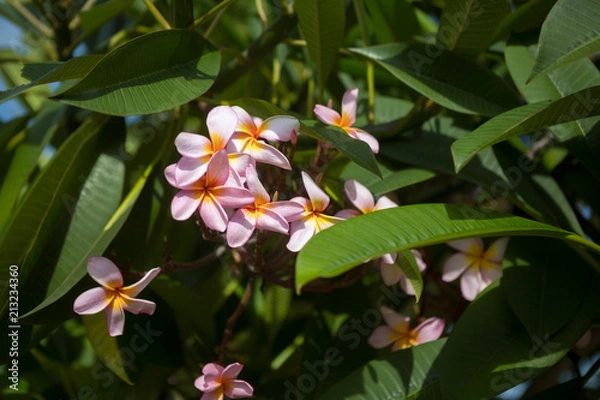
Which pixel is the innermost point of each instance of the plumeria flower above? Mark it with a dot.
(362, 199)
(211, 194)
(250, 130)
(478, 268)
(391, 273)
(397, 331)
(111, 297)
(218, 382)
(312, 220)
(197, 150)
(347, 119)
(261, 214)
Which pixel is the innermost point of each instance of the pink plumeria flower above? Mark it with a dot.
(312, 220)
(363, 199)
(347, 119)
(250, 130)
(211, 194)
(391, 273)
(478, 268)
(197, 150)
(397, 331)
(218, 382)
(262, 214)
(111, 297)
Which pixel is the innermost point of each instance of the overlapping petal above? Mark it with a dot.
(280, 128)
(327, 116)
(429, 330)
(105, 272)
(472, 246)
(91, 301)
(221, 122)
(218, 381)
(317, 196)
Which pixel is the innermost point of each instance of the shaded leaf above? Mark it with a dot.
(570, 32)
(525, 119)
(466, 26)
(349, 243)
(404, 374)
(446, 78)
(95, 17)
(178, 66)
(408, 264)
(527, 15)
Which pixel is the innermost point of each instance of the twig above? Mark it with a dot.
(233, 319)
(157, 15)
(212, 12)
(33, 20)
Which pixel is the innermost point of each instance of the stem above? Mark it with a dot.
(157, 15)
(211, 13)
(183, 13)
(77, 20)
(33, 20)
(233, 319)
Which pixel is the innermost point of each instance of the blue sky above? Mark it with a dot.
(11, 108)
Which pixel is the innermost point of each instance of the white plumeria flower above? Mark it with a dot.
(476, 267)
(111, 297)
(347, 119)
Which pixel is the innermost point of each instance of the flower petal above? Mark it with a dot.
(189, 170)
(490, 271)
(381, 337)
(267, 154)
(115, 319)
(255, 186)
(221, 122)
(365, 137)
(384, 203)
(496, 250)
(406, 286)
(429, 330)
(232, 197)
(213, 214)
(245, 122)
(317, 196)
(216, 394)
(327, 116)
(397, 322)
(347, 213)
(279, 128)
(419, 258)
(136, 288)
(240, 228)
(170, 175)
(455, 266)
(390, 273)
(470, 284)
(92, 301)
(349, 107)
(105, 272)
(472, 246)
(238, 162)
(359, 195)
(389, 258)
(238, 389)
(184, 204)
(301, 231)
(212, 371)
(193, 145)
(231, 372)
(139, 306)
(205, 384)
(217, 171)
(269, 220)
(290, 210)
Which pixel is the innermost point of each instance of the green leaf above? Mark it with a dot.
(349, 243)
(408, 264)
(95, 17)
(502, 170)
(570, 32)
(561, 82)
(404, 374)
(178, 66)
(526, 16)
(26, 156)
(356, 150)
(525, 119)
(450, 80)
(97, 219)
(48, 72)
(466, 26)
(546, 287)
(489, 350)
(322, 24)
(105, 346)
(383, 18)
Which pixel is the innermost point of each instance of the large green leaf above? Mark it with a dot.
(149, 74)
(561, 82)
(48, 72)
(349, 243)
(527, 15)
(570, 32)
(322, 24)
(467, 26)
(503, 171)
(489, 350)
(404, 374)
(356, 150)
(449, 79)
(26, 156)
(525, 119)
